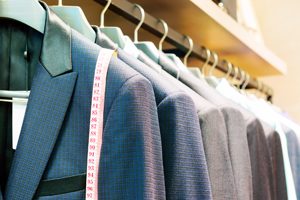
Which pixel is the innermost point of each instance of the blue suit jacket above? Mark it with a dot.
(185, 167)
(54, 136)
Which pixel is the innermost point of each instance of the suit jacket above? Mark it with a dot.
(236, 131)
(52, 149)
(274, 145)
(214, 138)
(260, 156)
(185, 168)
(293, 143)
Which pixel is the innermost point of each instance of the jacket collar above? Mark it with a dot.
(51, 93)
(56, 45)
(103, 40)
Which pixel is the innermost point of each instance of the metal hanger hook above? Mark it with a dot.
(243, 77)
(246, 82)
(166, 31)
(259, 88)
(59, 3)
(191, 45)
(208, 54)
(216, 60)
(236, 71)
(103, 13)
(142, 11)
(229, 69)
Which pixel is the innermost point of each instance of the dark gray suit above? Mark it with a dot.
(186, 175)
(53, 142)
(236, 130)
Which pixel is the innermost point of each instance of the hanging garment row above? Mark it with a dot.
(166, 134)
(154, 26)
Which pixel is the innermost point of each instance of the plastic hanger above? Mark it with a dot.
(193, 70)
(191, 46)
(14, 94)
(160, 48)
(114, 33)
(178, 63)
(75, 18)
(29, 12)
(146, 46)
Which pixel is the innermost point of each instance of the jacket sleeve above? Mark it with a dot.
(131, 156)
(184, 160)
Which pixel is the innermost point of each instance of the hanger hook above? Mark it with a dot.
(263, 89)
(59, 3)
(166, 31)
(229, 69)
(142, 11)
(236, 71)
(243, 77)
(259, 88)
(270, 93)
(246, 82)
(103, 12)
(208, 54)
(216, 60)
(191, 47)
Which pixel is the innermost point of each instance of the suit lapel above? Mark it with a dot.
(46, 109)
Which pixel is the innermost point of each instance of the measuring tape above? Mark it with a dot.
(96, 124)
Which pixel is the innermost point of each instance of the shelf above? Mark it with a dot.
(209, 26)
(205, 23)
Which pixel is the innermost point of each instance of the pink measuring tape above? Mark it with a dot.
(96, 124)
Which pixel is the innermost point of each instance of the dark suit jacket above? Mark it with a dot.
(186, 175)
(236, 130)
(54, 137)
(214, 137)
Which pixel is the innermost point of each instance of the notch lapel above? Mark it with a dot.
(46, 109)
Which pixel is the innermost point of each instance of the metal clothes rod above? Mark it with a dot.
(151, 24)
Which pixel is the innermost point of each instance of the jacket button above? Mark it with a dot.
(25, 55)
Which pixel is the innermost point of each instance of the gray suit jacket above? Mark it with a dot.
(236, 130)
(278, 174)
(186, 175)
(51, 156)
(261, 164)
(214, 138)
(293, 141)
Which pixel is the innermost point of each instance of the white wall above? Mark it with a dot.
(280, 26)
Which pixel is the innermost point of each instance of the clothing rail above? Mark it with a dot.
(152, 24)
